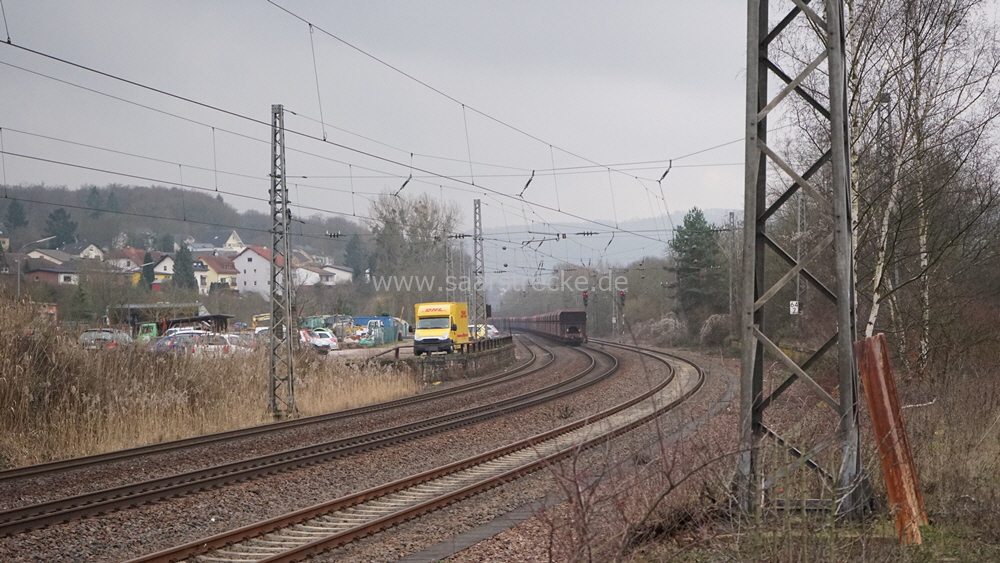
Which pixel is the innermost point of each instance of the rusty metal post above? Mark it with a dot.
(890, 434)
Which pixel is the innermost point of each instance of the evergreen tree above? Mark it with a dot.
(111, 204)
(354, 258)
(701, 288)
(166, 242)
(184, 269)
(94, 202)
(16, 216)
(80, 306)
(59, 225)
(148, 274)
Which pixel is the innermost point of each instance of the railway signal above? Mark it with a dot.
(621, 297)
(585, 296)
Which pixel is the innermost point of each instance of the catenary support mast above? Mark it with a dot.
(284, 328)
(479, 273)
(821, 23)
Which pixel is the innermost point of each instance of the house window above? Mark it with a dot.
(244, 270)
(67, 279)
(250, 259)
(255, 283)
(204, 280)
(244, 284)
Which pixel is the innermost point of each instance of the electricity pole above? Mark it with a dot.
(479, 272)
(283, 322)
(825, 22)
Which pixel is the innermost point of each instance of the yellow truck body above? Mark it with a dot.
(440, 327)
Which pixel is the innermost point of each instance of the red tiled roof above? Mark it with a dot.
(219, 264)
(136, 255)
(261, 251)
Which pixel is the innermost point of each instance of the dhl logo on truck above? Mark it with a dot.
(464, 314)
(433, 310)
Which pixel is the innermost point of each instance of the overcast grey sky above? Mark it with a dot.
(581, 83)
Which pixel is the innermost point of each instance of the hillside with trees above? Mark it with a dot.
(152, 218)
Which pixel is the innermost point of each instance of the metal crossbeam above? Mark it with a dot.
(829, 193)
(284, 328)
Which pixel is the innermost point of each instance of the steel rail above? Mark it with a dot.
(206, 439)
(298, 535)
(62, 510)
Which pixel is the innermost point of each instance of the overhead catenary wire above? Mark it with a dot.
(599, 166)
(3, 13)
(260, 122)
(319, 94)
(426, 85)
(3, 163)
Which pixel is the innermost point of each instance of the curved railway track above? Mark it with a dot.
(62, 510)
(298, 535)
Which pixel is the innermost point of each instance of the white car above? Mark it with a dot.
(492, 332)
(321, 339)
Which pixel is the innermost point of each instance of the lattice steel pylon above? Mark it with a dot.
(765, 393)
(284, 329)
(479, 270)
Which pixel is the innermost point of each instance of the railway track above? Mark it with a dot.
(301, 534)
(262, 430)
(66, 509)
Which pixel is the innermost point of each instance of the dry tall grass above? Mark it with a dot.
(60, 401)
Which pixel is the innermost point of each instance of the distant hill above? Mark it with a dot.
(146, 214)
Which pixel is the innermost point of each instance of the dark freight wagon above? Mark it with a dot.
(569, 327)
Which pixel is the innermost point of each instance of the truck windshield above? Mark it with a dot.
(434, 322)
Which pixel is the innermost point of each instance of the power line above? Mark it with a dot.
(305, 135)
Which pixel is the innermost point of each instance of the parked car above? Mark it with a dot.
(321, 339)
(482, 332)
(103, 339)
(199, 343)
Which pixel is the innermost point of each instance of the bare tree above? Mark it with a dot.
(412, 237)
(924, 100)
(923, 104)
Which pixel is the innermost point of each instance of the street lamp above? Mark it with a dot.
(19, 254)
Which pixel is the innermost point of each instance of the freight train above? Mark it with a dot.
(568, 327)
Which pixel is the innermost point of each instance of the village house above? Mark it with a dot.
(337, 274)
(217, 270)
(130, 260)
(85, 250)
(314, 274)
(253, 265)
(163, 269)
(224, 242)
(54, 256)
(43, 271)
